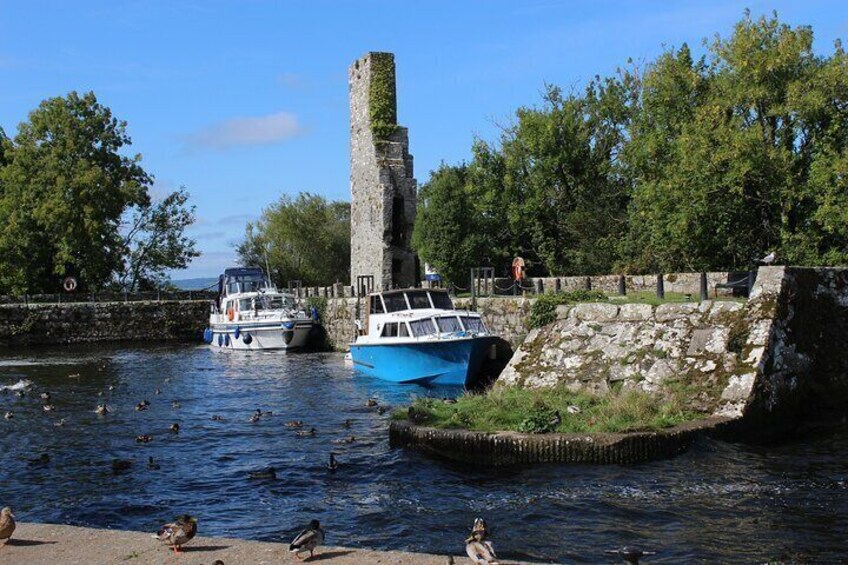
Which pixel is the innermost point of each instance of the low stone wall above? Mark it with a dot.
(42, 324)
(510, 448)
(780, 357)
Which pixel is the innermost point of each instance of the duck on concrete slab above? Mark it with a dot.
(477, 547)
(7, 524)
(308, 540)
(179, 532)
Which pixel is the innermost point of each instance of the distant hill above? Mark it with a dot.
(194, 284)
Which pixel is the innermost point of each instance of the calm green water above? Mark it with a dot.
(718, 503)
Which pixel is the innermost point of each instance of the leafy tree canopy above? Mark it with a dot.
(305, 238)
(684, 163)
(65, 187)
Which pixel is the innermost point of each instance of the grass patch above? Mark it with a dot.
(533, 411)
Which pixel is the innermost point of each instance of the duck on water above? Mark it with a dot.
(415, 336)
(250, 313)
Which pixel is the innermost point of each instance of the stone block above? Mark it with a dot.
(635, 312)
(597, 312)
(672, 311)
(562, 311)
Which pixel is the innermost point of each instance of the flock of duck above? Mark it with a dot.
(183, 528)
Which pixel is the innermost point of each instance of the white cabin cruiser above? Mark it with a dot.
(250, 313)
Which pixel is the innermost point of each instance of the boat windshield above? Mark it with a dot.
(418, 299)
(420, 328)
(395, 302)
(441, 300)
(473, 324)
(448, 324)
(245, 283)
(264, 302)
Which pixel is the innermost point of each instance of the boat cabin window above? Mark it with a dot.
(395, 329)
(418, 300)
(420, 328)
(448, 324)
(441, 300)
(376, 304)
(245, 283)
(395, 302)
(473, 324)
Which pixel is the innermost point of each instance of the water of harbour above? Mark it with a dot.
(718, 503)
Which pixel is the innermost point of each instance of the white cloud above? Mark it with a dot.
(237, 132)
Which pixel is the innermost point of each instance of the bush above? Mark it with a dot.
(543, 311)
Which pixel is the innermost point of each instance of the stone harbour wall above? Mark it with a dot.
(779, 357)
(43, 324)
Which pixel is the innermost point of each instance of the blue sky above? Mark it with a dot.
(242, 102)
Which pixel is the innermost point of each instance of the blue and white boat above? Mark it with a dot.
(250, 313)
(415, 336)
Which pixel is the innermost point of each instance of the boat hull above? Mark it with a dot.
(258, 337)
(454, 362)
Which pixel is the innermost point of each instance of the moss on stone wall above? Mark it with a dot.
(382, 96)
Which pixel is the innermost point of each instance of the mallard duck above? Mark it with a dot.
(371, 403)
(332, 465)
(9, 415)
(449, 400)
(60, 423)
(45, 396)
(381, 410)
(179, 532)
(121, 465)
(174, 428)
(157, 391)
(266, 473)
(555, 421)
(630, 555)
(306, 433)
(142, 405)
(478, 548)
(349, 439)
(40, 461)
(7, 524)
(48, 407)
(347, 424)
(143, 439)
(101, 410)
(216, 418)
(175, 404)
(74, 376)
(295, 424)
(152, 464)
(254, 418)
(308, 540)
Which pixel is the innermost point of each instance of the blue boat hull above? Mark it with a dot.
(444, 362)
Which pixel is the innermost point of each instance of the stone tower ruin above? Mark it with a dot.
(383, 190)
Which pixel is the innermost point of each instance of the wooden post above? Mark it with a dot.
(704, 290)
(622, 285)
(660, 287)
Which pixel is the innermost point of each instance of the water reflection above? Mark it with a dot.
(717, 503)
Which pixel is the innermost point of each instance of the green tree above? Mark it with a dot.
(64, 189)
(306, 238)
(155, 241)
(445, 235)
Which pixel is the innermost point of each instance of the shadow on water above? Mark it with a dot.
(717, 503)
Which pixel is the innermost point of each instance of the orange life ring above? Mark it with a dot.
(230, 313)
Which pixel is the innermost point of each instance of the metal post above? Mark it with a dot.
(622, 286)
(704, 290)
(588, 284)
(473, 292)
(540, 286)
(660, 287)
(558, 285)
